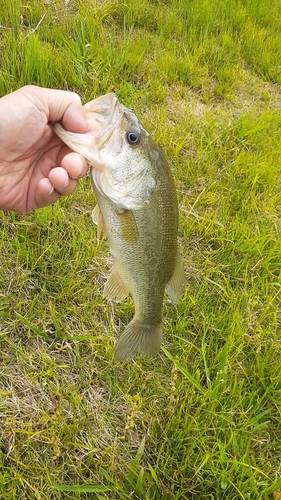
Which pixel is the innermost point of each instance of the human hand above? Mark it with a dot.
(36, 167)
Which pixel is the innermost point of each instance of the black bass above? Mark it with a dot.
(138, 211)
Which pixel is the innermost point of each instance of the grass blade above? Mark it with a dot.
(135, 463)
(183, 370)
(54, 319)
(32, 327)
(82, 488)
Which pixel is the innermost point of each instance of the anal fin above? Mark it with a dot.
(177, 283)
(114, 287)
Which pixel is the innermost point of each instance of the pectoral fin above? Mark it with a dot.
(98, 219)
(114, 288)
(177, 283)
(128, 226)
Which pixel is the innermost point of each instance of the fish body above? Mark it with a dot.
(138, 211)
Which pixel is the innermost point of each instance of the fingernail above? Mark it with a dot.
(66, 183)
(80, 170)
(51, 192)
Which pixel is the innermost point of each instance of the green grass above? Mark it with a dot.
(202, 420)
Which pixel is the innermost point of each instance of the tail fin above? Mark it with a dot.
(147, 338)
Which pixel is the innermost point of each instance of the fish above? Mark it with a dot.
(137, 209)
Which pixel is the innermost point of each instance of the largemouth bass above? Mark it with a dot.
(138, 211)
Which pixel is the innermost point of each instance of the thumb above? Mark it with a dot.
(65, 107)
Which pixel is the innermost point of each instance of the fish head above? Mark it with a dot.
(122, 154)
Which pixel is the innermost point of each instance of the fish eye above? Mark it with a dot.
(133, 137)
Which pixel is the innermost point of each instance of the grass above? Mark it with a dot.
(202, 420)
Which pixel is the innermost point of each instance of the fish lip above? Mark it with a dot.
(100, 131)
(93, 107)
(79, 143)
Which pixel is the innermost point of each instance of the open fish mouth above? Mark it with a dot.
(103, 115)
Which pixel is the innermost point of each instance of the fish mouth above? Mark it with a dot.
(128, 184)
(103, 115)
